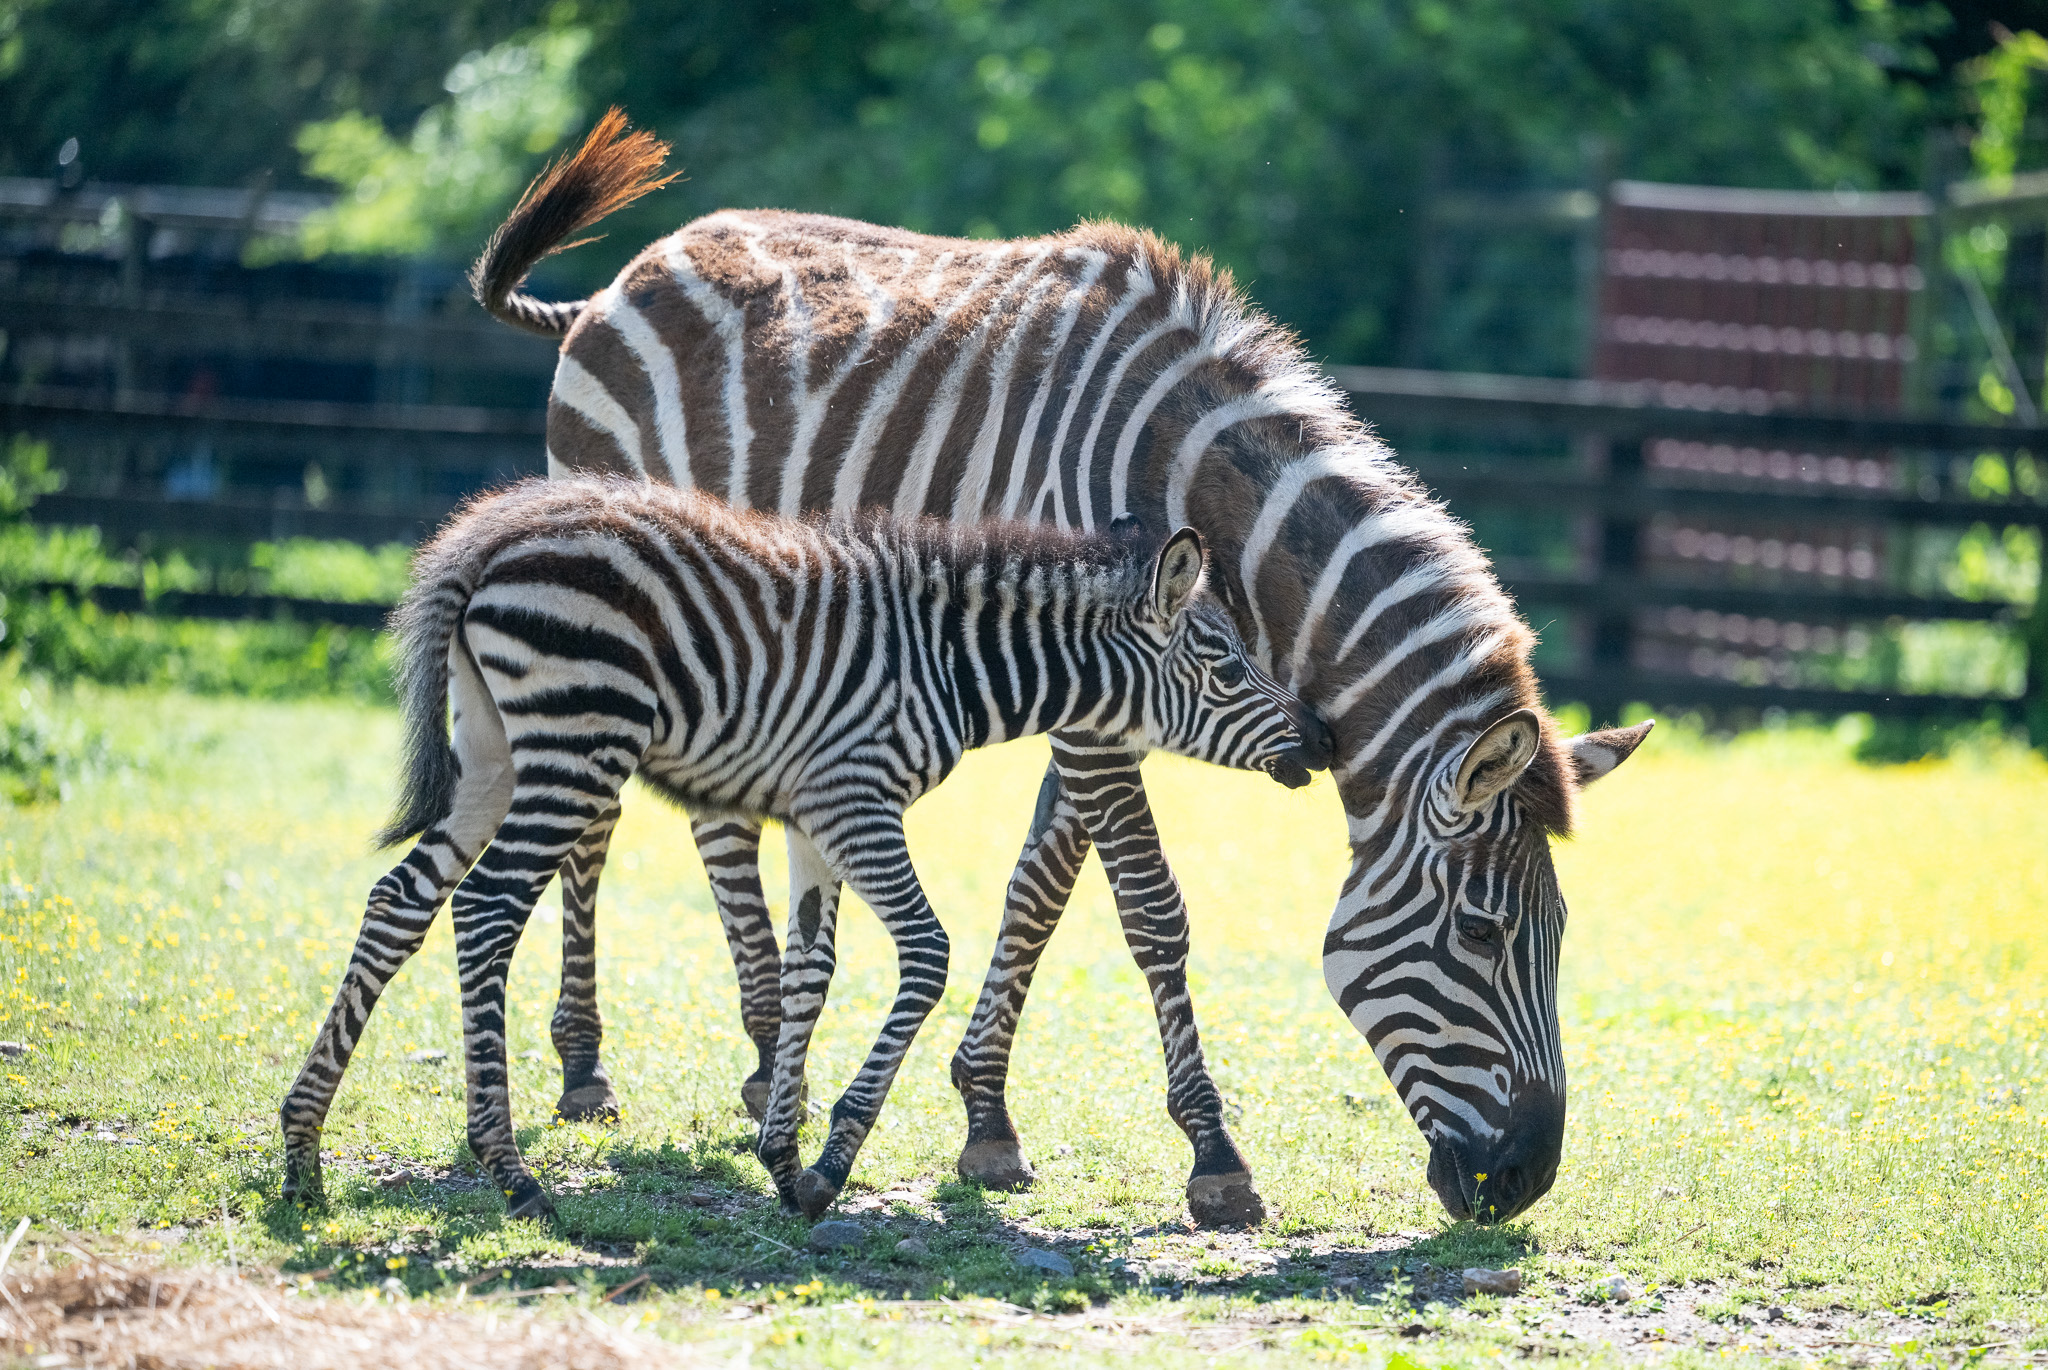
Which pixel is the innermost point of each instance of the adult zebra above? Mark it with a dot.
(797, 362)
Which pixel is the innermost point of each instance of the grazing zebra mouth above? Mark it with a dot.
(1493, 1183)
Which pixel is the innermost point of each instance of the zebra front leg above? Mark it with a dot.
(867, 848)
(806, 977)
(731, 849)
(1103, 784)
(1038, 894)
(577, 1028)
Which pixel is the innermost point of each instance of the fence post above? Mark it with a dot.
(1619, 551)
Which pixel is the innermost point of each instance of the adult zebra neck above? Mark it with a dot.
(1365, 595)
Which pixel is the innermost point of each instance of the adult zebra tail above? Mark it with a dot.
(612, 169)
(445, 578)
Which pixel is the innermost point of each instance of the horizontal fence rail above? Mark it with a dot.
(154, 465)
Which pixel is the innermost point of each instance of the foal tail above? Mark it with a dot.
(426, 623)
(612, 169)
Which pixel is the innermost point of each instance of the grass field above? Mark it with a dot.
(1805, 1007)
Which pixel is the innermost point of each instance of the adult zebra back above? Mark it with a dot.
(794, 362)
(823, 674)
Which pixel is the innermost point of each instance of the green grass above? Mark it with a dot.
(1803, 1004)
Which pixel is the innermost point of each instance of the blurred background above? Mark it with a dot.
(1726, 325)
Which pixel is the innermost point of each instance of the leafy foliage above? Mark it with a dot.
(466, 159)
(1299, 142)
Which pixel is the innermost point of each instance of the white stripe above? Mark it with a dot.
(860, 452)
(972, 492)
(1084, 471)
(670, 428)
(585, 393)
(1456, 669)
(816, 404)
(1140, 287)
(945, 402)
(1403, 519)
(730, 323)
(1027, 436)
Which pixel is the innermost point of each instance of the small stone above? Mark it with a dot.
(530, 1054)
(912, 1249)
(426, 1056)
(1613, 1289)
(837, 1234)
(106, 1137)
(1044, 1262)
(397, 1179)
(13, 1049)
(1480, 1280)
(701, 1198)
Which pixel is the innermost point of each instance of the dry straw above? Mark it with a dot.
(96, 1313)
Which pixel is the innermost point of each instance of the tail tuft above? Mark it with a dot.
(612, 169)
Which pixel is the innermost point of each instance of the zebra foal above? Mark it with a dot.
(825, 674)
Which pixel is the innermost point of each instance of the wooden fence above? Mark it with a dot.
(1672, 552)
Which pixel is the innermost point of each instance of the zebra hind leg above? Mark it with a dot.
(577, 1029)
(731, 848)
(402, 906)
(1106, 788)
(1044, 880)
(491, 907)
(868, 849)
(805, 978)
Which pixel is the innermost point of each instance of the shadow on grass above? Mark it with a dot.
(698, 1216)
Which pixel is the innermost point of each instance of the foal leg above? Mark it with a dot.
(805, 978)
(401, 908)
(556, 799)
(1103, 784)
(577, 1030)
(731, 848)
(1038, 894)
(868, 849)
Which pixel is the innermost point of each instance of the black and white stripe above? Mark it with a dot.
(826, 675)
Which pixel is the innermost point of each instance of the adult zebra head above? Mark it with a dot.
(1444, 948)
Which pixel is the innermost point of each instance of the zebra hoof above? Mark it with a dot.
(591, 1103)
(302, 1187)
(1226, 1200)
(996, 1165)
(528, 1200)
(814, 1193)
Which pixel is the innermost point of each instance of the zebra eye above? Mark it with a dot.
(1230, 673)
(1478, 931)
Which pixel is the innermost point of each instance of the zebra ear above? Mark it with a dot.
(1496, 758)
(1178, 571)
(1595, 754)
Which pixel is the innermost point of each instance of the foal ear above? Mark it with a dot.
(1177, 573)
(1595, 754)
(1496, 759)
